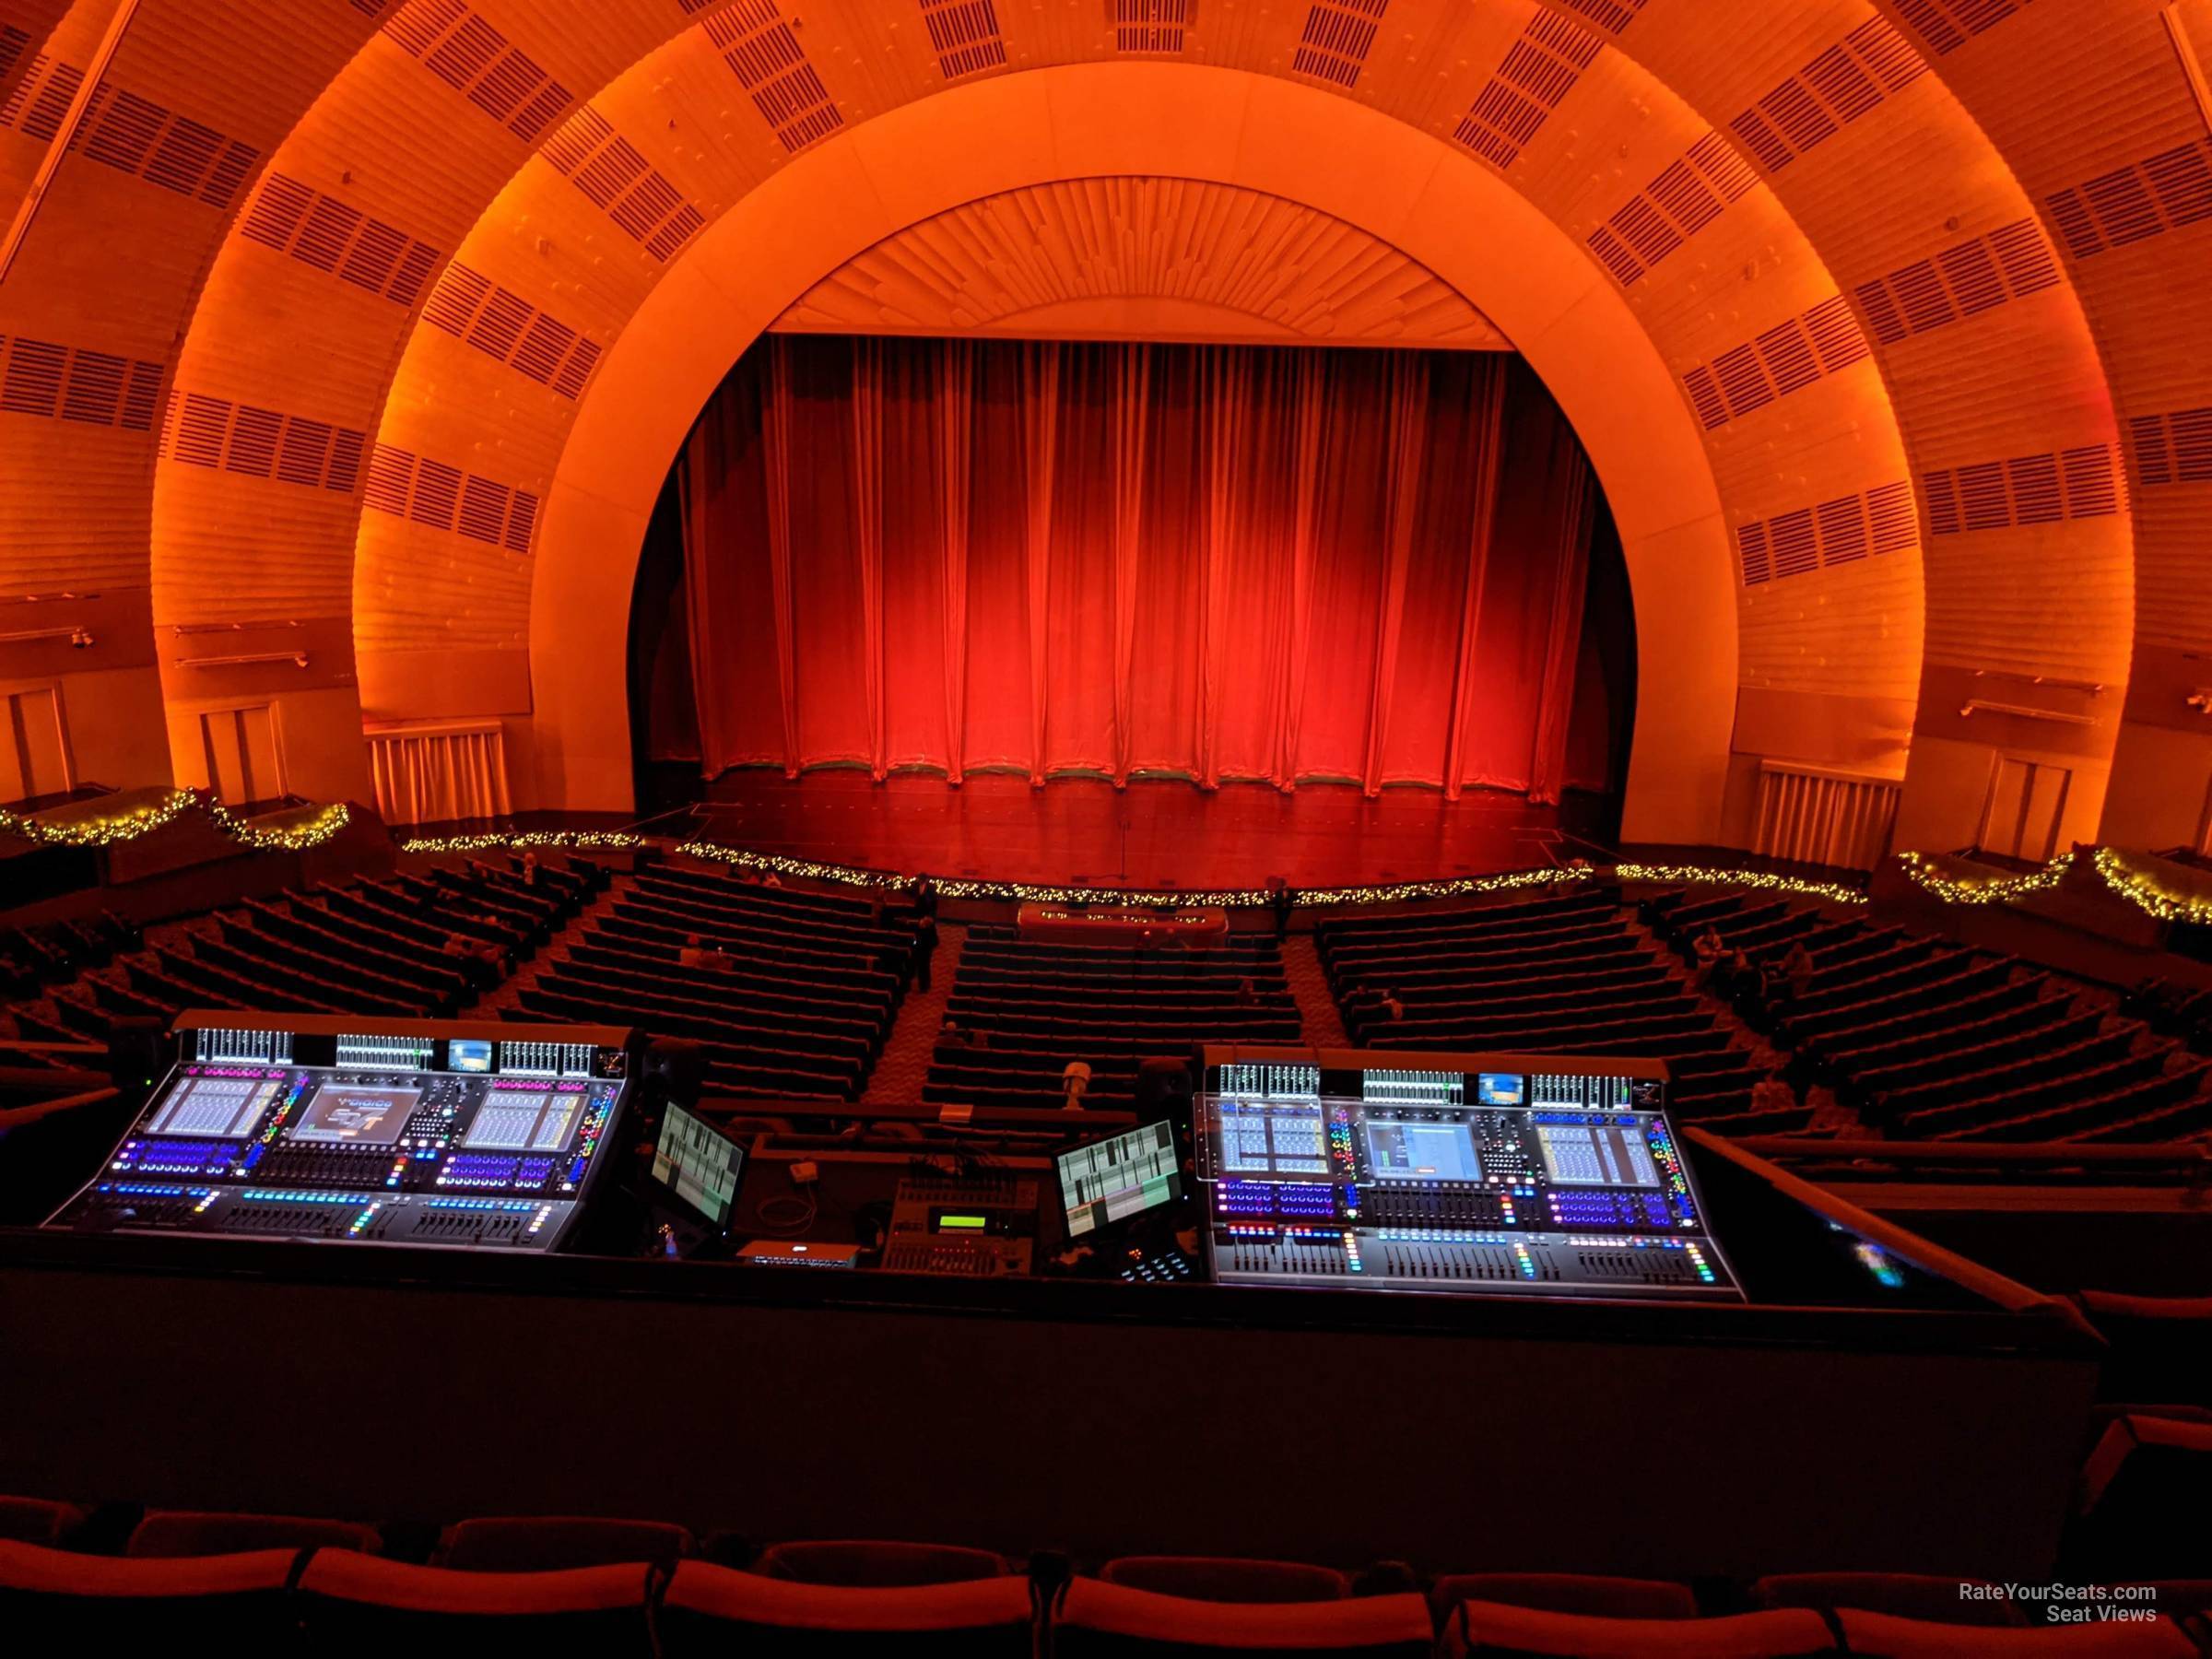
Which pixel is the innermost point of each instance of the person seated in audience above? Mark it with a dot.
(1390, 1007)
(770, 879)
(1771, 1094)
(1798, 969)
(951, 1034)
(1073, 1080)
(483, 963)
(1248, 995)
(705, 958)
(745, 875)
(1737, 978)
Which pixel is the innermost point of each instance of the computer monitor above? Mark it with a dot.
(699, 1165)
(1114, 1180)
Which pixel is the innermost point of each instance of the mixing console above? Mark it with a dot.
(962, 1227)
(465, 1136)
(1474, 1174)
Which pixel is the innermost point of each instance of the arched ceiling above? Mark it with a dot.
(1924, 277)
(1142, 259)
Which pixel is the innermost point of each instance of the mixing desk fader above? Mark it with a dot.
(1465, 1175)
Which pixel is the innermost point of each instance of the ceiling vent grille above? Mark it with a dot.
(263, 443)
(92, 388)
(292, 217)
(2130, 203)
(1960, 281)
(444, 498)
(1540, 69)
(1948, 25)
(2027, 489)
(476, 61)
(504, 325)
(1337, 39)
(1837, 532)
(1612, 16)
(770, 63)
(132, 134)
(607, 167)
(964, 34)
(1837, 88)
(2172, 449)
(1150, 26)
(1676, 204)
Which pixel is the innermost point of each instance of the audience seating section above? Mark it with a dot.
(361, 1606)
(800, 1011)
(1214, 1578)
(174, 1533)
(558, 1543)
(1497, 1630)
(1092, 1619)
(585, 1586)
(1555, 973)
(880, 1563)
(1024, 1009)
(1932, 1040)
(711, 1610)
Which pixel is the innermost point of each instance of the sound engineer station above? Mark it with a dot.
(1466, 1176)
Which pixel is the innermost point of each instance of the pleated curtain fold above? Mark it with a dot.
(1224, 563)
(439, 775)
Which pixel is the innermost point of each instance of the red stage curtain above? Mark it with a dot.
(1139, 560)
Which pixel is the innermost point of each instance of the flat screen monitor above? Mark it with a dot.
(699, 1164)
(1113, 1180)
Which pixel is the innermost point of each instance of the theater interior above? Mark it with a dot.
(1355, 828)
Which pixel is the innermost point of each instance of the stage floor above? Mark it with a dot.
(1152, 834)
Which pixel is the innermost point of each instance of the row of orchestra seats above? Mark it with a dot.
(1022, 1010)
(1558, 972)
(798, 996)
(1930, 1040)
(53, 952)
(276, 1584)
(419, 943)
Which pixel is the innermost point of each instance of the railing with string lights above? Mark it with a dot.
(97, 828)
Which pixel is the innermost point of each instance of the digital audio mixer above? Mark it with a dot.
(1465, 1175)
(458, 1137)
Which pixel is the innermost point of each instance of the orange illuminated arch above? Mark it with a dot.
(1457, 219)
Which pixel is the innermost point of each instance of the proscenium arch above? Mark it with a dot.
(1465, 224)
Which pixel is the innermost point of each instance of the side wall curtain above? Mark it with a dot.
(438, 775)
(1124, 560)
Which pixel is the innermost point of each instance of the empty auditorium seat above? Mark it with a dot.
(2144, 1474)
(206, 1533)
(38, 1521)
(878, 1563)
(1496, 1632)
(353, 1603)
(1091, 1619)
(1565, 1592)
(715, 1610)
(555, 1543)
(1893, 1638)
(100, 1605)
(2161, 1345)
(1226, 1577)
(1905, 1594)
